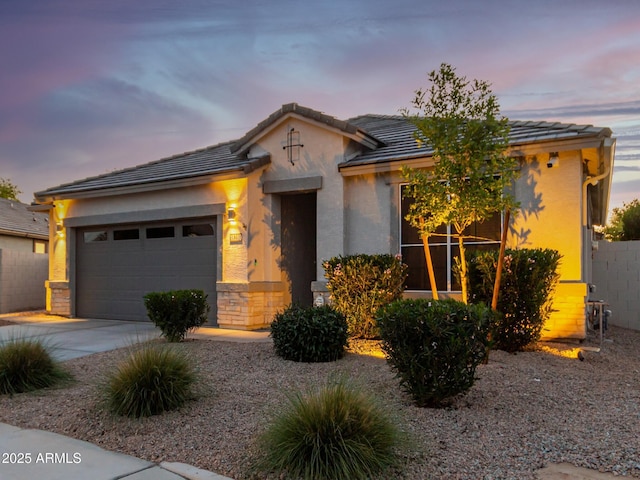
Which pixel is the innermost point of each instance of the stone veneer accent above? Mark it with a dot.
(319, 289)
(248, 306)
(58, 298)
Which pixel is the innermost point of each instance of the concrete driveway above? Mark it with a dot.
(76, 337)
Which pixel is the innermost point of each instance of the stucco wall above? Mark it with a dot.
(322, 152)
(368, 214)
(21, 244)
(22, 277)
(551, 211)
(616, 275)
(551, 217)
(232, 261)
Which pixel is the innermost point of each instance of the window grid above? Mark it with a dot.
(408, 249)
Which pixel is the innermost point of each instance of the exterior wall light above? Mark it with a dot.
(554, 160)
(231, 215)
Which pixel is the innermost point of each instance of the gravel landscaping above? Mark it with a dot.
(524, 412)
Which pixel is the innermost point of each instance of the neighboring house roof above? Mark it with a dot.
(385, 138)
(16, 220)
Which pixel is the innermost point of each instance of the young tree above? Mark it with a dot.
(625, 222)
(460, 121)
(8, 190)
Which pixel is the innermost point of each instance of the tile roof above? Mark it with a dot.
(206, 161)
(17, 220)
(294, 108)
(398, 135)
(391, 138)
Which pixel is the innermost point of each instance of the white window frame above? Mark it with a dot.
(449, 244)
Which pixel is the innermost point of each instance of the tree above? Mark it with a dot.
(460, 121)
(8, 190)
(625, 222)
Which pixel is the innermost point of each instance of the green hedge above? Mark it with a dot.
(529, 278)
(360, 285)
(309, 334)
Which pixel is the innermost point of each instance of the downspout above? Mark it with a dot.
(593, 181)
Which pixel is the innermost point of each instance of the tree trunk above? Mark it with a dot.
(463, 270)
(503, 241)
(432, 275)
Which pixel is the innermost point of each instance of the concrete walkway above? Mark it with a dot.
(42, 455)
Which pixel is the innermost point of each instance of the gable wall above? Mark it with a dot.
(322, 152)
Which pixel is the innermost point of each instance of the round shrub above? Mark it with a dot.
(529, 278)
(309, 334)
(177, 312)
(360, 284)
(434, 346)
(151, 380)
(335, 432)
(26, 365)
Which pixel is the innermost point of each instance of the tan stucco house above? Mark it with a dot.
(250, 221)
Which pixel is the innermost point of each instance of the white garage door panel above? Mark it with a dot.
(112, 276)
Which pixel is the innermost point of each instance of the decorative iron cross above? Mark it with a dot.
(293, 145)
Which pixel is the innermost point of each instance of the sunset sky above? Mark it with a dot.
(91, 86)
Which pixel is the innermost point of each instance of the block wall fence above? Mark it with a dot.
(616, 275)
(22, 277)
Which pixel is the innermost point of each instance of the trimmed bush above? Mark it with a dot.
(309, 334)
(27, 365)
(360, 284)
(434, 346)
(151, 380)
(529, 278)
(336, 432)
(177, 312)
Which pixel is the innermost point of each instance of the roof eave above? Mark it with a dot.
(608, 155)
(293, 110)
(392, 165)
(14, 233)
(48, 197)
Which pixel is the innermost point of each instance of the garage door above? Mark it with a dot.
(117, 265)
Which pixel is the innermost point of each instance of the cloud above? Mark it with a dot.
(626, 168)
(627, 108)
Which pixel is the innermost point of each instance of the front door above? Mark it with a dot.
(298, 235)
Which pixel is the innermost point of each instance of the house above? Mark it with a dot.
(250, 221)
(24, 239)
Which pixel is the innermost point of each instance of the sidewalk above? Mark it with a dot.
(44, 455)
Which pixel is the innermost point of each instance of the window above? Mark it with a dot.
(444, 249)
(201, 230)
(160, 232)
(97, 236)
(127, 234)
(40, 246)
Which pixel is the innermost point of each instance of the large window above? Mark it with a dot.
(444, 249)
